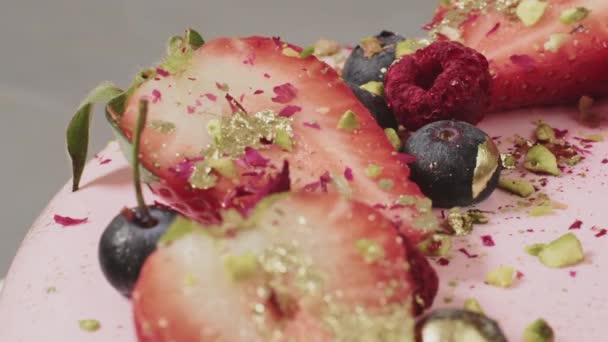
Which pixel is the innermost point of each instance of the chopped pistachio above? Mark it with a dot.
(214, 127)
(307, 52)
(370, 46)
(478, 216)
(90, 325)
(572, 160)
(290, 52)
(407, 47)
(348, 121)
(162, 127)
(471, 304)
(325, 47)
(562, 252)
(180, 228)
(539, 331)
(556, 41)
(374, 87)
(373, 171)
(459, 222)
(283, 140)
(535, 249)
(370, 250)
(541, 159)
(531, 11)
(386, 184)
(515, 186)
(573, 15)
(543, 209)
(501, 277)
(594, 137)
(544, 132)
(241, 267)
(393, 137)
(224, 166)
(49, 290)
(508, 161)
(438, 245)
(406, 200)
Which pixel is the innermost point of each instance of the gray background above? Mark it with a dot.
(53, 52)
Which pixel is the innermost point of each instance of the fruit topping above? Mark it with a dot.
(518, 187)
(539, 331)
(132, 235)
(453, 325)
(291, 271)
(445, 80)
(371, 58)
(562, 252)
(456, 163)
(501, 277)
(541, 160)
(559, 54)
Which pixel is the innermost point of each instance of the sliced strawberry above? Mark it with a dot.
(258, 74)
(310, 268)
(528, 72)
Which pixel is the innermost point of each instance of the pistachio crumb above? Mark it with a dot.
(531, 11)
(90, 325)
(573, 15)
(290, 52)
(520, 188)
(370, 250)
(307, 52)
(438, 245)
(535, 249)
(501, 277)
(539, 331)
(555, 42)
(393, 137)
(471, 304)
(544, 132)
(562, 252)
(241, 267)
(540, 159)
(348, 121)
(326, 47)
(374, 87)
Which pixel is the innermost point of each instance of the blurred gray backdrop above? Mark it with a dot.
(53, 52)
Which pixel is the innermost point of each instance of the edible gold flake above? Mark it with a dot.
(486, 165)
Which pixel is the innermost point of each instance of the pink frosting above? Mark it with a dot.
(55, 280)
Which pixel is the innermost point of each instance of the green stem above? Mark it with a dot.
(144, 212)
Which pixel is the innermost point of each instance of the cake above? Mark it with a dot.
(57, 290)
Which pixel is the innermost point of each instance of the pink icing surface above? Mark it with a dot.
(55, 280)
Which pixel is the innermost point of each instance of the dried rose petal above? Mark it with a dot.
(191, 109)
(184, 169)
(284, 93)
(466, 252)
(488, 241)
(104, 161)
(576, 225)
(156, 96)
(162, 72)
(524, 61)
(493, 30)
(348, 174)
(605, 161)
(572, 274)
(210, 97)
(254, 158)
(519, 275)
(250, 59)
(312, 125)
(289, 111)
(601, 233)
(321, 183)
(69, 221)
(266, 75)
(443, 262)
(258, 92)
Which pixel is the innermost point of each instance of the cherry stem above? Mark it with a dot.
(144, 215)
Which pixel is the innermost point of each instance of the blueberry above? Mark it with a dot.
(128, 241)
(453, 325)
(133, 234)
(360, 69)
(376, 105)
(456, 164)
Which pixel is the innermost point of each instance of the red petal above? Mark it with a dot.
(69, 221)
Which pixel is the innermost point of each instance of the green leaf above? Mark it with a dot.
(77, 135)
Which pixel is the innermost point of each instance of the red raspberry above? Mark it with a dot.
(445, 80)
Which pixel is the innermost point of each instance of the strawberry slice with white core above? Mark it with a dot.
(305, 267)
(540, 52)
(329, 138)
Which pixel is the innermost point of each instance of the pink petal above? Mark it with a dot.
(488, 241)
(162, 72)
(254, 158)
(312, 125)
(466, 252)
(156, 96)
(68, 221)
(284, 93)
(290, 110)
(210, 96)
(493, 30)
(258, 92)
(348, 174)
(576, 225)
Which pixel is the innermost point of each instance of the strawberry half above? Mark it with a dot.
(306, 267)
(328, 137)
(550, 61)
